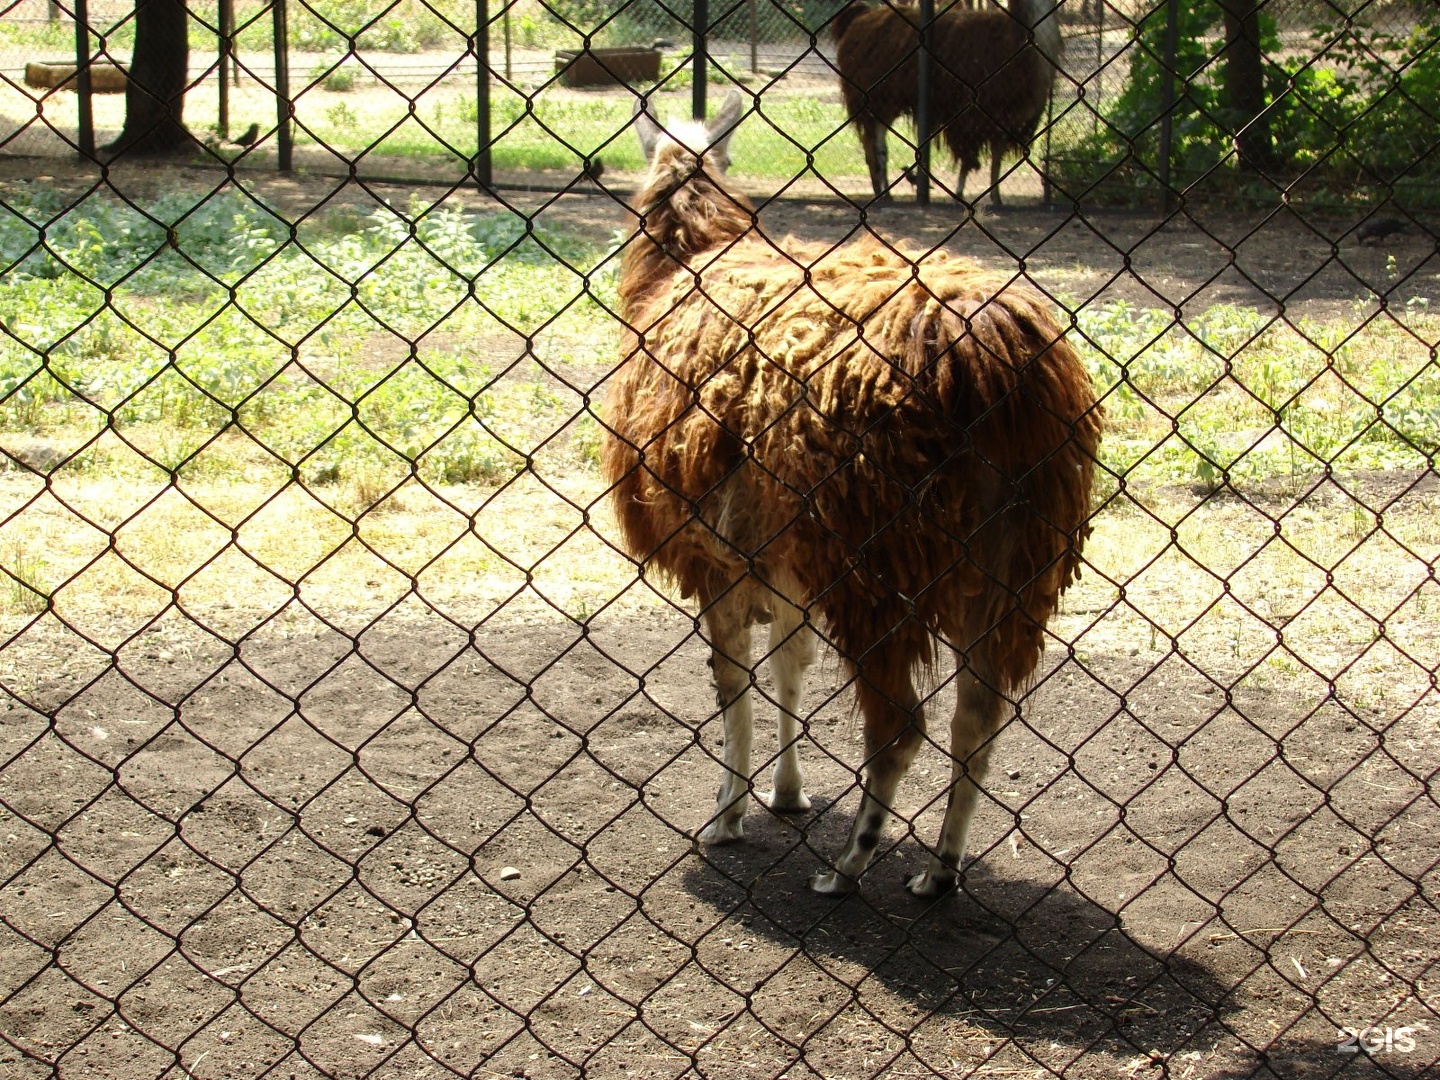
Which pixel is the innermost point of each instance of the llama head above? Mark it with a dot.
(682, 148)
(684, 206)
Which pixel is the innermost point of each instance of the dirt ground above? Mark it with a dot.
(430, 846)
(283, 862)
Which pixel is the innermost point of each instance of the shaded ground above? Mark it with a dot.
(308, 856)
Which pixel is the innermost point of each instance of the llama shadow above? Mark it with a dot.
(1026, 961)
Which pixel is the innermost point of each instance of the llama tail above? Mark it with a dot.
(1024, 426)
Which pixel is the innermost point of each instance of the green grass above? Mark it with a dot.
(1235, 396)
(430, 376)
(234, 334)
(406, 26)
(557, 132)
(237, 330)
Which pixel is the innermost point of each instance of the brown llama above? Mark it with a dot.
(991, 75)
(891, 449)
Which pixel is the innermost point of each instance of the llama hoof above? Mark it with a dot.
(785, 802)
(831, 883)
(721, 831)
(928, 886)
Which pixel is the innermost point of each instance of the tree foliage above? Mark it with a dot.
(1350, 103)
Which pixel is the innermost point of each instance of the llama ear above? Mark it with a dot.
(723, 126)
(646, 129)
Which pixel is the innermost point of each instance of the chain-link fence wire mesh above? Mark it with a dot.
(344, 737)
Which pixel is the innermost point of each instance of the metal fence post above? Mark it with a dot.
(754, 36)
(285, 138)
(482, 92)
(922, 104)
(700, 58)
(1167, 102)
(85, 118)
(227, 53)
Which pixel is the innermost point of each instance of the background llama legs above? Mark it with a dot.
(873, 138)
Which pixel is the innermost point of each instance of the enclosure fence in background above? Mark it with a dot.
(344, 734)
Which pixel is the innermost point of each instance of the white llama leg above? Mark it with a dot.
(730, 661)
(979, 711)
(894, 729)
(792, 651)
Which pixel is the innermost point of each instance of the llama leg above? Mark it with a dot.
(792, 651)
(979, 712)
(894, 727)
(729, 660)
(997, 157)
(873, 140)
(960, 184)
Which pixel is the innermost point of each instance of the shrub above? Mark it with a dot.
(1357, 107)
(405, 26)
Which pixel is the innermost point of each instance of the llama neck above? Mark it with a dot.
(1042, 17)
(687, 215)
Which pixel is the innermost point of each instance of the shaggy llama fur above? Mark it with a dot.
(990, 78)
(892, 449)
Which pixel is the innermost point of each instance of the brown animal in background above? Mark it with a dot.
(891, 449)
(992, 71)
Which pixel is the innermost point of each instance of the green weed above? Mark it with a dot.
(24, 594)
(219, 323)
(206, 333)
(1236, 395)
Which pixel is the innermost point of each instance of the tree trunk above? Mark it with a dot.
(1244, 76)
(155, 95)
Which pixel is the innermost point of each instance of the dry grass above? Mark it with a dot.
(1276, 592)
(1273, 591)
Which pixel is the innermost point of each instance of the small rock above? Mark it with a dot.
(509, 873)
(1014, 774)
(42, 457)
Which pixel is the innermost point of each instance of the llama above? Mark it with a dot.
(892, 450)
(990, 79)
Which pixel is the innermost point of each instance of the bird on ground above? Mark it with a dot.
(1378, 228)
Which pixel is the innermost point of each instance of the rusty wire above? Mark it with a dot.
(432, 831)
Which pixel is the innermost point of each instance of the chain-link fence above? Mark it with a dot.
(355, 724)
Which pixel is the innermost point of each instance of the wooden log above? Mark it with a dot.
(607, 67)
(105, 77)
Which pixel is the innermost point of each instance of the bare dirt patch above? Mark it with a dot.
(295, 859)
